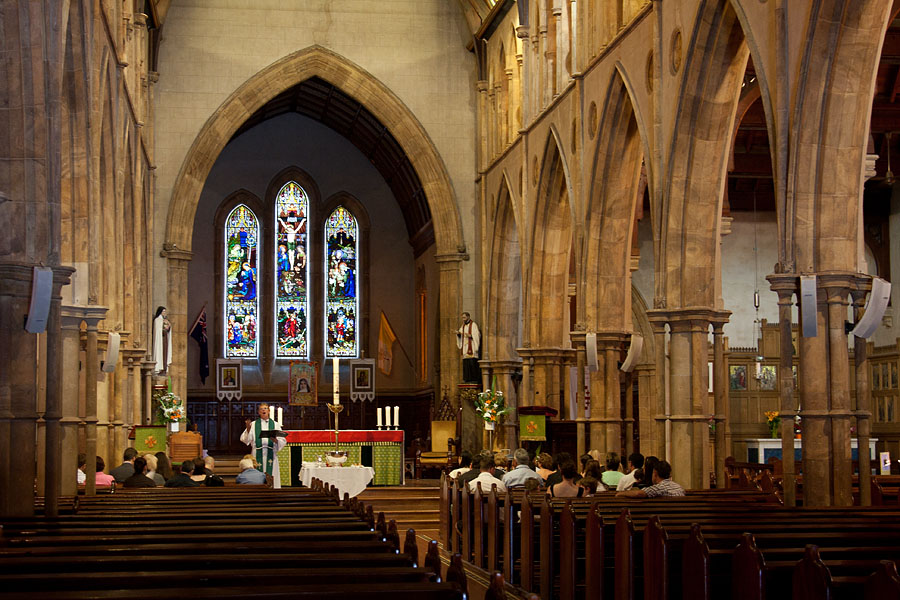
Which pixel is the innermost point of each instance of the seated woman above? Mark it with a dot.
(153, 471)
(566, 488)
(102, 478)
(545, 465)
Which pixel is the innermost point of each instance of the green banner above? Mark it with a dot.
(533, 428)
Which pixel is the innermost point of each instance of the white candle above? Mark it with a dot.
(280, 416)
(273, 412)
(378, 417)
(387, 416)
(336, 379)
(396, 416)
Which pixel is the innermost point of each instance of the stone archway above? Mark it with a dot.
(287, 72)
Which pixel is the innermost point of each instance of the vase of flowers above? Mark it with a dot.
(490, 406)
(773, 422)
(171, 410)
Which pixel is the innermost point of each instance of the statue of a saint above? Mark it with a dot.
(468, 340)
(162, 340)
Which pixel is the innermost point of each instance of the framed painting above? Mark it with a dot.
(737, 376)
(768, 378)
(229, 379)
(303, 383)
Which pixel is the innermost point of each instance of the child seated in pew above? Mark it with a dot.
(590, 485)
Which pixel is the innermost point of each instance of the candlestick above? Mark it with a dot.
(378, 417)
(336, 379)
(387, 417)
(396, 417)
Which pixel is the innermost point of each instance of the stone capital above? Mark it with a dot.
(451, 260)
(94, 314)
(174, 253)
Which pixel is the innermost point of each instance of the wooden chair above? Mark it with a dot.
(185, 445)
(440, 456)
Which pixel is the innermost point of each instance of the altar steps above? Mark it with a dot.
(413, 505)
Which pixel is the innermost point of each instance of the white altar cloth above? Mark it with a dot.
(352, 480)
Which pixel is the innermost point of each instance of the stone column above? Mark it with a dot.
(720, 394)
(133, 362)
(606, 398)
(92, 316)
(578, 342)
(176, 305)
(450, 267)
(661, 412)
(71, 318)
(837, 290)
(53, 412)
(503, 371)
(786, 286)
(817, 482)
(689, 403)
(548, 379)
(525, 79)
(863, 411)
(526, 392)
(147, 367)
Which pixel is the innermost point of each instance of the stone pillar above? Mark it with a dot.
(92, 316)
(606, 398)
(53, 412)
(133, 361)
(503, 371)
(176, 305)
(661, 412)
(450, 268)
(863, 411)
(578, 342)
(147, 367)
(786, 286)
(548, 378)
(525, 79)
(721, 409)
(71, 318)
(837, 290)
(526, 392)
(689, 403)
(817, 482)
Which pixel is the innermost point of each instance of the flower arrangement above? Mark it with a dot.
(171, 410)
(773, 422)
(490, 404)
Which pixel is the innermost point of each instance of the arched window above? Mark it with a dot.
(341, 284)
(292, 271)
(241, 269)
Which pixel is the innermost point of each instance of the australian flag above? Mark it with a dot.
(198, 332)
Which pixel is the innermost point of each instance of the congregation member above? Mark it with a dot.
(153, 470)
(209, 466)
(198, 473)
(183, 479)
(249, 474)
(663, 486)
(612, 474)
(486, 475)
(82, 465)
(557, 476)
(139, 479)
(644, 479)
(590, 485)
(499, 465)
(465, 464)
(164, 465)
(126, 469)
(101, 478)
(635, 462)
(545, 465)
(585, 459)
(567, 487)
(522, 472)
(472, 473)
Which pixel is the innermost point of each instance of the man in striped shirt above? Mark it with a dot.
(662, 484)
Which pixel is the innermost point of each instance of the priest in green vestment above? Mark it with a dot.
(265, 449)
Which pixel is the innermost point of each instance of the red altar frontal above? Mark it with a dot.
(381, 450)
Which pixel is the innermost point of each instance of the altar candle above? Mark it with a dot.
(396, 416)
(273, 412)
(336, 379)
(387, 416)
(378, 417)
(280, 415)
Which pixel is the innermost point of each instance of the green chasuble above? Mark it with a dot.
(265, 447)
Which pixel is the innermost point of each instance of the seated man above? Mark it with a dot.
(635, 462)
(612, 475)
(249, 474)
(126, 469)
(139, 479)
(465, 464)
(522, 472)
(486, 475)
(183, 479)
(663, 486)
(472, 473)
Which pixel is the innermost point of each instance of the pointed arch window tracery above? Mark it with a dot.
(291, 272)
(341, 284)
(241, 277)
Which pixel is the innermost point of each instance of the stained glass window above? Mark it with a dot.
(341, 284)
(241, 269)
(292, 271)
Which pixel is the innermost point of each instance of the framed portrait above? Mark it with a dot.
(362, 379)
(737, 376)
(303, 383)
(768, 378)
(229, 379)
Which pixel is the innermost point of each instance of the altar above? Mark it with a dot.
(760, 450)
(381, 450)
